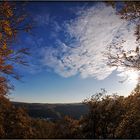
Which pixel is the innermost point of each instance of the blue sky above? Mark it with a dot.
(67, 44)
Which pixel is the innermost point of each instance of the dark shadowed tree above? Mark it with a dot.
(129, 127)
(105, 114)
(17, 124)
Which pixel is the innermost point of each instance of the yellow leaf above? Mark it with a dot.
(0, 36)
(4, 46)
(9, 13)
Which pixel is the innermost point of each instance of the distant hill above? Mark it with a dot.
(54, 111)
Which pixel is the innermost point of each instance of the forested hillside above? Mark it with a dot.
(54, 111)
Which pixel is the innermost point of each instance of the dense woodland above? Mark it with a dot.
(109, 116)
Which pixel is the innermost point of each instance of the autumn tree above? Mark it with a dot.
(12, 21)
(117, 55)
(90, 121)
(17, 124)
(67, 127)
(14, 122)
(43, 129)
(129, 126)
(5, 106)
(104, 116)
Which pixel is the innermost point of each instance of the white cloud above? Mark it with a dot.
(130, 76)
(93, 30)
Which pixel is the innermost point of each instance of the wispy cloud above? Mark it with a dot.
(85, 39)
(42, 19)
